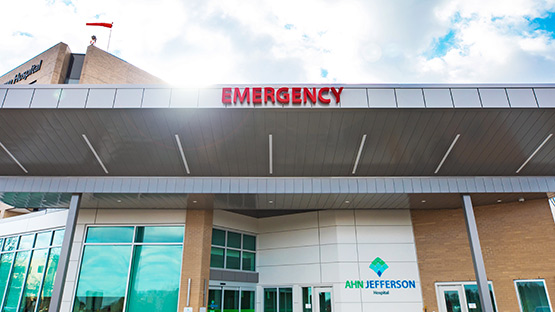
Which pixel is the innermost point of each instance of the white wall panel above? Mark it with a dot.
(296, 238)
(387, 252)
(392, 307)
(356, 98)
(342, 294)
(339, 253)
(383, 217)
(350, 307)
(336, 217)
(235, 221)
(283, 256)
(290, 274)
(32, 222)
(385, 234)
(289, 222)
(339, 272)
(396, 271)
(395, 295)
(337, 234)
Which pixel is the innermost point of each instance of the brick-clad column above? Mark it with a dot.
(196, 252)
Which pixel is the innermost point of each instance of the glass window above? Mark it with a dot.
(237, 249)
(58, 237)
(155, 278)
(233, 240)
(473, 297)
(26, 241)
(10, 243)
(17, 278)
(233, 259)
(217, 257)
(270, 300)
(248, 261)
(103, 278)
(231, 300)
(218, 237)
(247, 301)
(285, 300)
(249, 242)
(43, 239)
(307, 299)
(214, 300)
(532, 296)
(5, 267)
(48, 284)
(34, 277)
(159, 234)
(110, 234)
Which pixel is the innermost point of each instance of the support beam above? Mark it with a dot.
(61, 272)
(476, 251)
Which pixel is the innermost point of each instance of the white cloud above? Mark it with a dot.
(245, 41)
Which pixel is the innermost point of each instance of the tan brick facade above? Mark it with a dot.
(517, 239)
(196, 256)
(101, 67)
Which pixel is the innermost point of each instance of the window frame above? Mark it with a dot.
(31, 251)
(132, 244)
(532, 280)
(277, 295)
(241, 250)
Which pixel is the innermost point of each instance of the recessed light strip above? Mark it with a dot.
(270, 153)
(13, 158)
(95, 153)
(448, 152)
(535, 152)
(361, 147)
(182, 154)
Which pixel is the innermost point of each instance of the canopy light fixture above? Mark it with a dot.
(448, 152)
(270, 154)
(360, 148)
(535, 152)
(95, 153)
(182, 153)
(13, 158)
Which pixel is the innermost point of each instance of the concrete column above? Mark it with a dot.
(195, 273)
(476, 251)
(63, 262)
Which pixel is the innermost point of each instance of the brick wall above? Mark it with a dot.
(101, 67)
(517, 239)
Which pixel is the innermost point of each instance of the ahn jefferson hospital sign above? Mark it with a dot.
(281, 96)
(380, 286)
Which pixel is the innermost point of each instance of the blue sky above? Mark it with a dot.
(198, 42)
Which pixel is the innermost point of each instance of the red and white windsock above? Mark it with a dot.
(107, 25)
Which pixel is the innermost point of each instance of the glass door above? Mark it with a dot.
(452, 299)
(323, 301)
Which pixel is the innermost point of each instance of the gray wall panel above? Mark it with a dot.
(467, 98)
(545, 97)
(381, 98)
(521, 98)
(46, 98)
(101, 98)
(18, 98)
(494, 98)
(410, 98)
(438, 98)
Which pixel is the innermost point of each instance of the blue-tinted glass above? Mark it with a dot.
(48, 283)
(218, 237)
(43, 239)
(472, 296)
(5, 266)
(248, 261)
(1, 243)
(16, 281)
(58, 237)
(233, 259)
(533, 297)
(249, 242)
(103, 278)
(110, 234)
(217, 257)
(159, 234)
(34, 277)
(26, 241)
(155, 278)
(10, 243)
(233, 240)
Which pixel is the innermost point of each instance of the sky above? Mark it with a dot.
(203, 42)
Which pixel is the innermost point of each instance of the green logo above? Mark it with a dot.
(379, 266)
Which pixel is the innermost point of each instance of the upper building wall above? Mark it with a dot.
(49, 67)
(101, 67)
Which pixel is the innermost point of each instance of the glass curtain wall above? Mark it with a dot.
(130, 268)
(234, 251)
(28, 265)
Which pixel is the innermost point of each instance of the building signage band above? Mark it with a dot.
(23, 76)
(283, 95)
(380, 286)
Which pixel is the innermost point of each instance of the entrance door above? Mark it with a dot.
(323, 301)
(452, 299)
